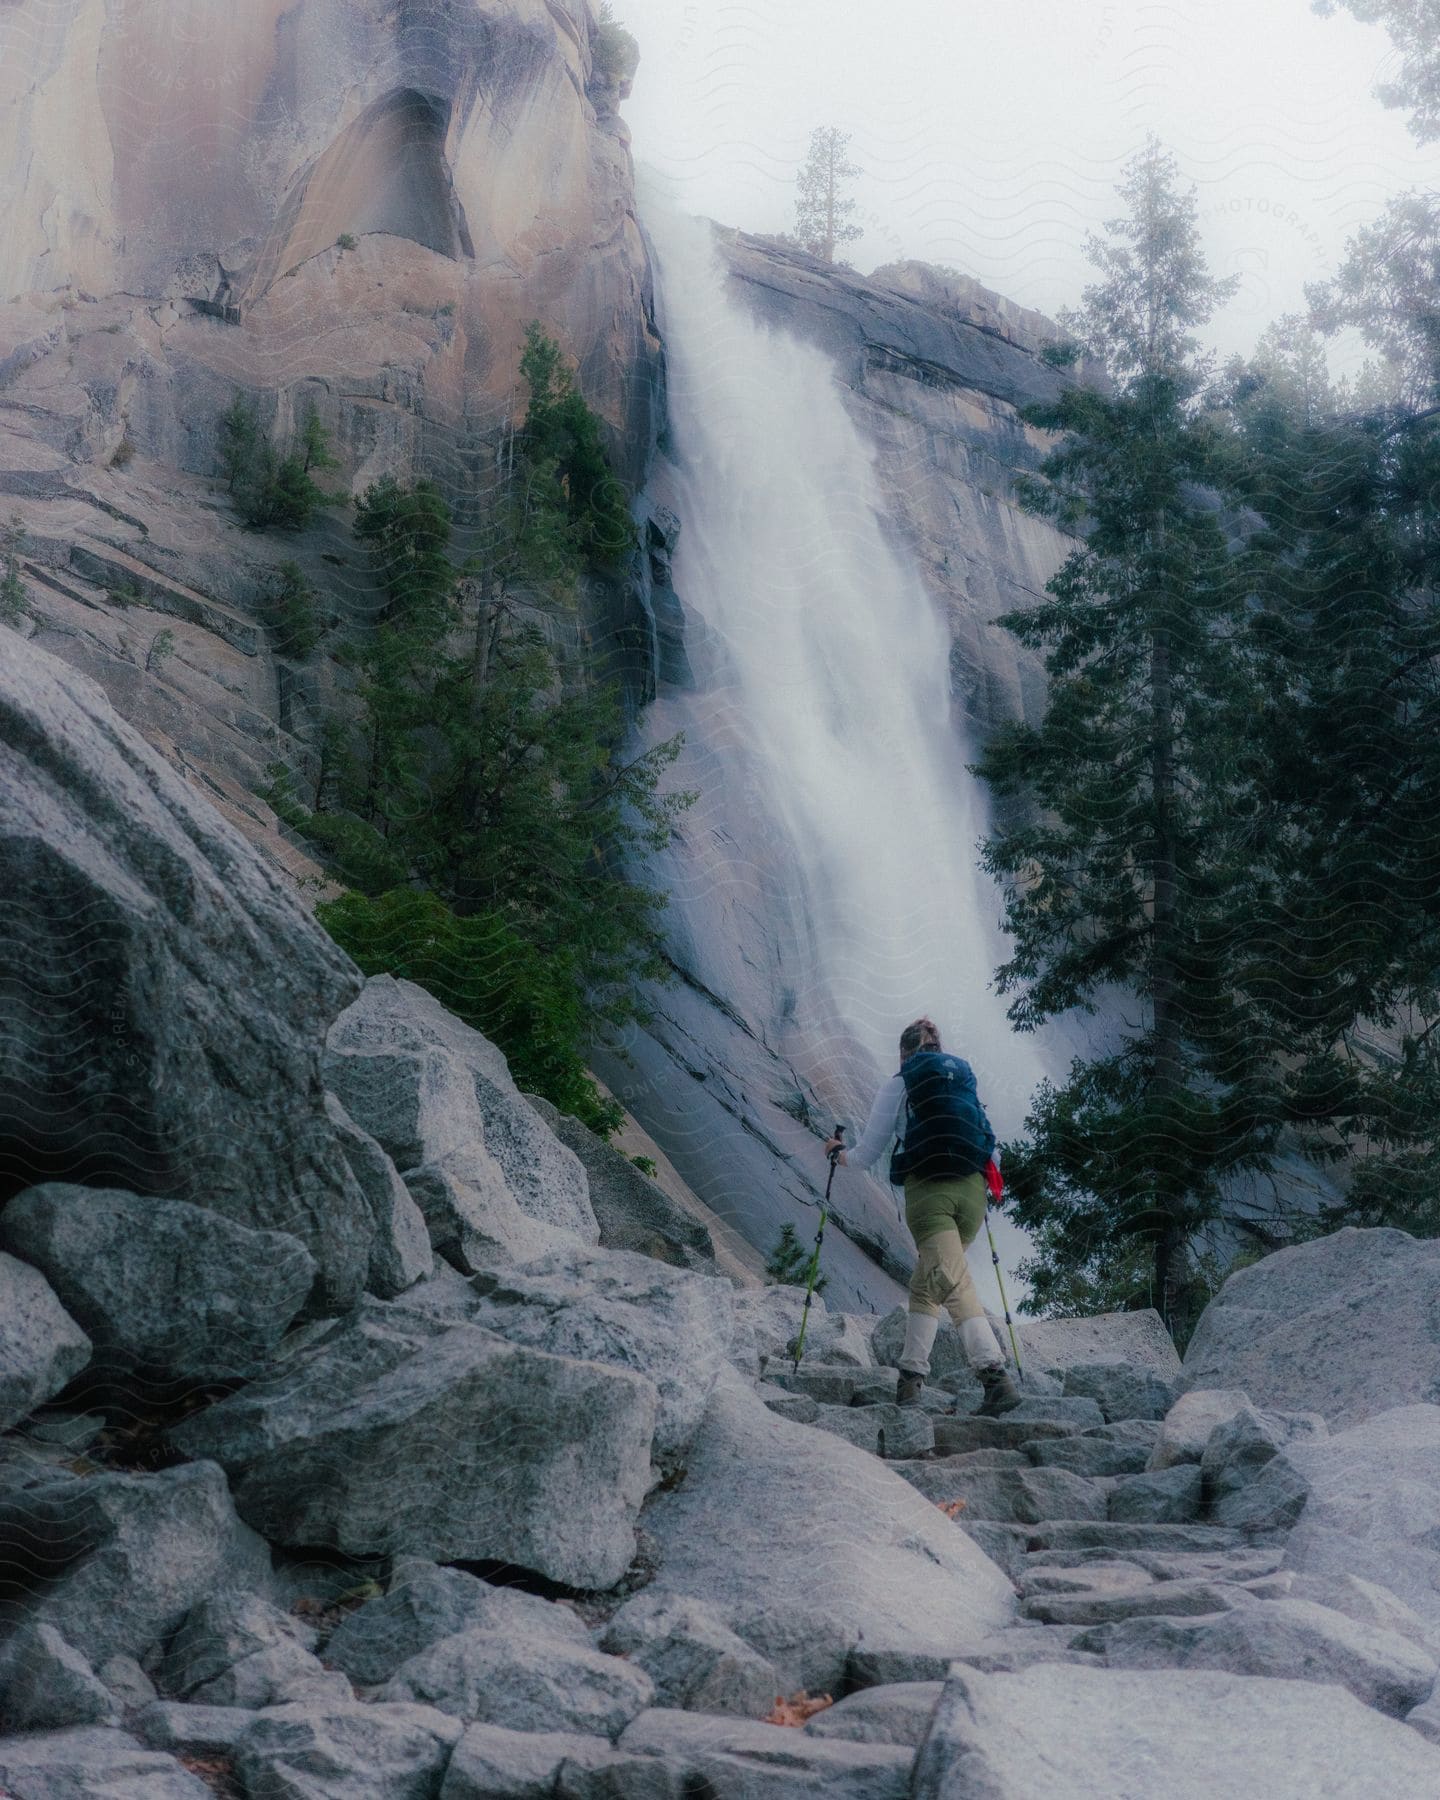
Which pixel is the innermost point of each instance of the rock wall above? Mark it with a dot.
(180, 186)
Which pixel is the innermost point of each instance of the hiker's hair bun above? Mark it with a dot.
(922, 1035)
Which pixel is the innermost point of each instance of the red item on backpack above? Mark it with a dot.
(994, 1183)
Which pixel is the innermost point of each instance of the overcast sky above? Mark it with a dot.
(991, 132)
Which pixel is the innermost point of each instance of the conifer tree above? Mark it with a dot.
(824, 211)
(1129, 868)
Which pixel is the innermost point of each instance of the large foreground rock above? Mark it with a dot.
(1346, 1326)
(395, 1028)
(1139, 1338)
(611, 1306)
(1118, 1735)
(1283, 1637)
(810, 1549)
(675, 1753)
(360, 1752)
(41, 1346)
(632, 1211)
(92, 1763)
(695, 1661)
(1369, 1504)
(403, 1434)
(114, 1562)
(163, 992)
(163, 1288)
(425, 1603)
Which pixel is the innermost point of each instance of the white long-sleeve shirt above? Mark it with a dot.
(887, 1120)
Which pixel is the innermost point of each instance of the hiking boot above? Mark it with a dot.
(1001, 1393)
(908, 1388)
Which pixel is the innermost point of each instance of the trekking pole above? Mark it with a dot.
(814, 1268)
(996, 1187)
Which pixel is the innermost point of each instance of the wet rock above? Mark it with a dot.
(1189, 1735)
(114, 1562)
(41, 1346)
(163, 1288)
(381, 1439)
(695, 1661)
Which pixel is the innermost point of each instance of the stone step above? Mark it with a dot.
(1091, 1578)
(1085, 1534)
(1012, 1496)
(888, 1431)
(958, 1435)
(1089, 1455)
(1139, 1599)
(835, 1384)
(1025, 1645)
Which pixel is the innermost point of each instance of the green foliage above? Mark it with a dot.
(1129, 863)
(1412, 25)
(824, 212)
(314, 449)
(615, 55)
(560, 443)
(122, 453)
(407, 533)
(13, 604)
(270, 490)
(647, 1165)
(345, 241)
(789, 1262)
(487, 974)
(291, 614)
(162, 646)
(480, 812)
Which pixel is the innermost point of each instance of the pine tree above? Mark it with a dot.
(824, 212)
(1129, 869)
(789, 1262)
(1414, 27)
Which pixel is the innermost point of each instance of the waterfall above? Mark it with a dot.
(828, 881)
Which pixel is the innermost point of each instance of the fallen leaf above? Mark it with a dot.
(951, 1508)
(798, 1708)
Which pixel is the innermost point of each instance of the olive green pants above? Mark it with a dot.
(945, 1218)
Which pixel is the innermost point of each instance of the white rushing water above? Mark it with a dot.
(829, 676)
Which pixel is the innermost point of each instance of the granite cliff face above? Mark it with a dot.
(182, 194)
(181, 184)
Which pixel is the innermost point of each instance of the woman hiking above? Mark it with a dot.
(932, 1106)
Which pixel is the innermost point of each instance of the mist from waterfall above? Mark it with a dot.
(828, 674)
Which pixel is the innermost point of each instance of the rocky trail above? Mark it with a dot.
(369, 1432)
